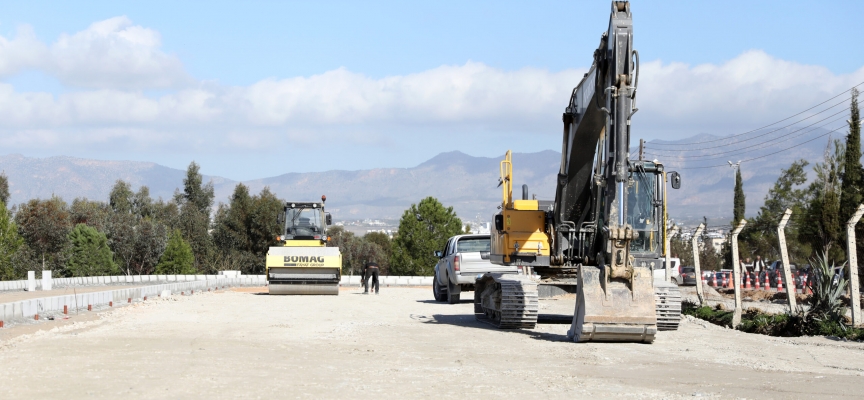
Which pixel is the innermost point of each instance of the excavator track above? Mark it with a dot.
(506, 301)
(667, 298)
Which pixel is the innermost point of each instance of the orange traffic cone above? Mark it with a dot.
(779, 282)
(767, 282)
(747, 280)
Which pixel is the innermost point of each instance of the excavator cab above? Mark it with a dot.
(645, 212)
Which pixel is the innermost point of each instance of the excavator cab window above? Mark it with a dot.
(643, 212)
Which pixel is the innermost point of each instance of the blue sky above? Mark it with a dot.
(255, 89)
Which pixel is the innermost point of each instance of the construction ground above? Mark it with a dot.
(243, 343)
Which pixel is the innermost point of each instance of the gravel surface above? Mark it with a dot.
(399, 344)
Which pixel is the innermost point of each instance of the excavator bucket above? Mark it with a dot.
(620, 312)
(303, 270)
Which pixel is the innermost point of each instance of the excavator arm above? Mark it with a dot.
(592, 185)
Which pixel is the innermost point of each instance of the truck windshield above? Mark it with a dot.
(304, 221)
(473, 245)
(643, 214)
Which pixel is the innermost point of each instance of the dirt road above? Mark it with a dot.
(399, 344)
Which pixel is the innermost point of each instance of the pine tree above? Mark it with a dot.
(4, 188)
(10, 243)
(424, 228)
(851, 189)
(177, 258)
(738, 207)
(90, 255)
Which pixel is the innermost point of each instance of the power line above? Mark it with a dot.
(766, 126)
(774, 141)
(760, 135)
(771, 154)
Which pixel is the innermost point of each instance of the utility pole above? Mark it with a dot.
(641, 149)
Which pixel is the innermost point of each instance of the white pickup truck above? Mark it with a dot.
(464, 258)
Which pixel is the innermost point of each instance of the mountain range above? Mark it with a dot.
(466, 182)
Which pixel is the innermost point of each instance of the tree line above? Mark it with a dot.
(134, 234)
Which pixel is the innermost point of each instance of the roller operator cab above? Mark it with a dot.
(300, 262)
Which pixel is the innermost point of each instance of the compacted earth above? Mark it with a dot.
(399, 344)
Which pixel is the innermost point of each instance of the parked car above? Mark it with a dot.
(687, 276)
(462, 259)
(660, 271)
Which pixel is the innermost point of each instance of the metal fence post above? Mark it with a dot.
(669, 235)
(736, 274)
(699, 290)
(791, 289)
(854, 289)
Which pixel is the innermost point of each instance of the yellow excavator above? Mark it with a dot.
(602, 236)
(301, 262)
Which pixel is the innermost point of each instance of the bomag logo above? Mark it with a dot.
(304, 261)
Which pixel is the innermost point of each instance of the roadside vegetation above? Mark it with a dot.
(824, 315)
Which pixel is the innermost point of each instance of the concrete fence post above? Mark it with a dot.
(736, 273)
(854, 287)
(46, 280)
(668, 247)
(31, 281)
(784, 257)
(700, 292)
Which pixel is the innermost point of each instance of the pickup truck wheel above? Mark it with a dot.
(453, 292)
(436, 290)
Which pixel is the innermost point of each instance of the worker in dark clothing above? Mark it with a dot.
(370, 270)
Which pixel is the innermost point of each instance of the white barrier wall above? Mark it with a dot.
(27, 309)
(139, 279)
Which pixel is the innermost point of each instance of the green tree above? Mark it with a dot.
(45, 226)
(195, 192)
(853, 174)
(90, 255)
(343, 239)
(92, 213)
(142, 203)
(263, 226)
(194, 217)
(821, 226)
(4, 188)
(120, 197)
(151, 240)
(177, 258)
(356, 251)
(424, 228)
(739, 205)
(245, 229)
(10, 243)
(681, 248)
(760, 234)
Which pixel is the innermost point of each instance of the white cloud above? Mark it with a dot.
(754, 89)
(115, 54)
(21, 52)
(108, 63)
